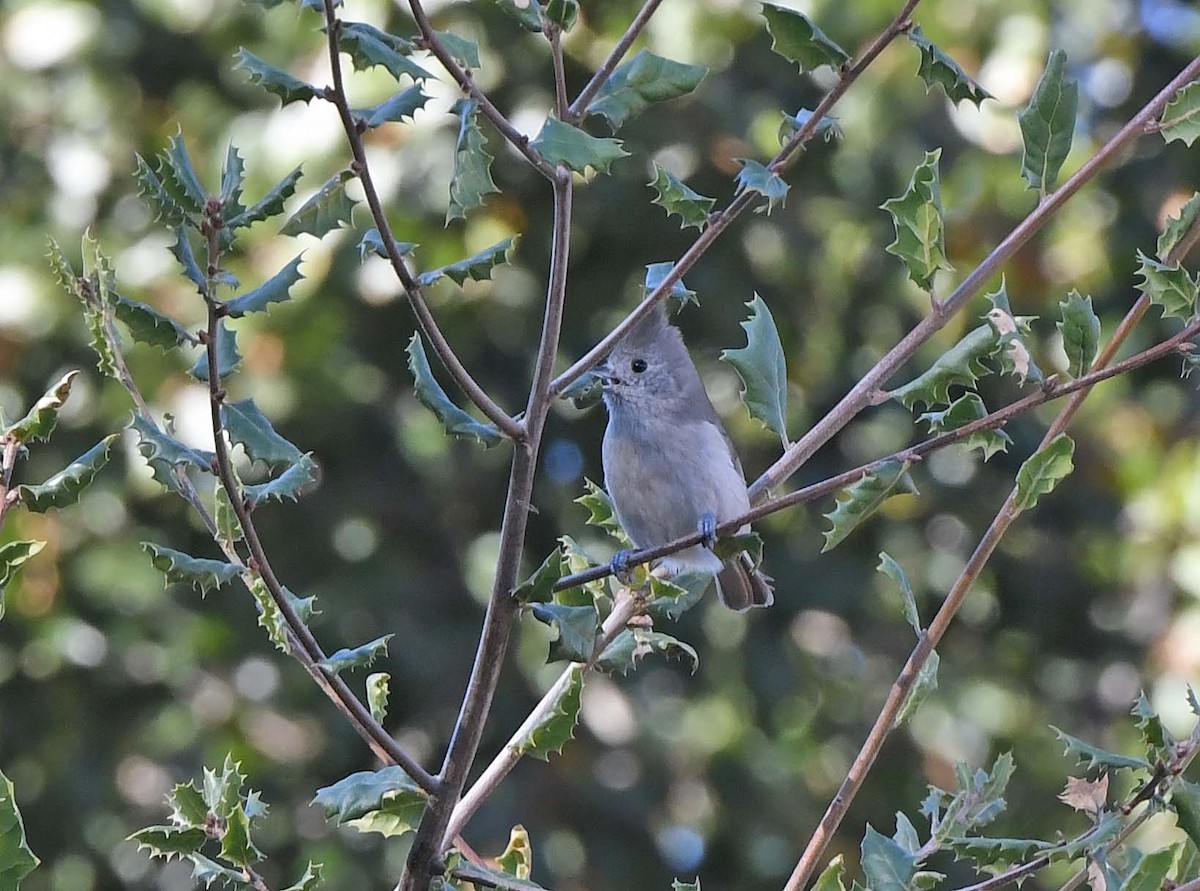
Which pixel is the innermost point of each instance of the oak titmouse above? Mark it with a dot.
(668, 463)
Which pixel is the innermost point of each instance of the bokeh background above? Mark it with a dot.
(112, 688)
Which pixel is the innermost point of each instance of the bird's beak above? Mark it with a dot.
(604, 373)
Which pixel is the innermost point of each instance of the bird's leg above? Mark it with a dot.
(620, 566)
(707, 527)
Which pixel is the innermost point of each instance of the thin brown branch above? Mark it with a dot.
(579, 107)
(8, 461)
(466, 82)
(860, 395)
(554, 35)
(720, 221)
(412, 288)
(886, 721)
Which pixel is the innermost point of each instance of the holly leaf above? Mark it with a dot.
(677, 199)
(65, 487)
(830, 878)
(477, 267)
(18, 860)
(917, 216)
(1088, 796)
(188, 807)
(275, 290)
(163, 453)
(325, 211)
(961, 365)
(859, 501)
(1080, 331)
(361, 793)
(671, 599)
(563, 13)
(601, 512)
(1091, 757)
(367, 46)
(310, 881)
(472, 177)
(228, 357)
(358, 657)
(926, 683)
(1044, 470)
(236, 845)
(223, 788)
(557, 728)
(633, 644)
(561, 143)
(248, 427)
(895, 572)
(1181, 118)
(169, 842)
(586, 390)
(680, 295)
(1170, 286)
(539, 587)
(463, 51)
(429, 392)
(1159, 742)
(1178, 226)
(149, 326)
(378, 691)
(643, 79)
(206, 871)
(938, 69)
(270, 205)
(756, 177)
(527, 12)
(394, 110)
(1048, 124)
(826, 127)
(1151, 871)
(233, 178)
(798, 40)
(517, 859)
(372, 242)
(763, 369)
(40, 421)
(179, 176)
(1185, 801)
(965, 409)
(576, 627)
(289, 485)
(154, 193)
(279, 83)
(181, 568)
(1012, 353)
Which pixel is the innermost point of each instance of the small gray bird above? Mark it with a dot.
(669, 465)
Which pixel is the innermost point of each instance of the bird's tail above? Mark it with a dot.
(741, 585)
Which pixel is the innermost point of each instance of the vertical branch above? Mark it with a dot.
(7, 462)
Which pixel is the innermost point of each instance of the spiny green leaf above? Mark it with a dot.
(601, 512)
(917, 215)
(179, 176)
(477, 267)
(275, 290)
(576, 559)
(977, 800)
(310, 881)
(361, 793)
(539, 587)
(485, 877)
(1044, 470)
(12, 555)
(1091, 757)
(228, 357)
(763, 370)
(887, 866)
(1185, 801)
(756, 177)
(206, 871)
(41, 420)
(563, 13)
(358, 657)
(962, 411)
(677, 199)
(728, 547)
(631, 645)
(236, 845)
(1181, 118)
(1080, 331)
(586, 391)
(1012, 353)
(65, 487)
(1160, 744)
(557, 728)
(671, 599)
(198, 572)
(429, 392)
(169, 842)
(561, 143)
(643, 79)
(188, 807)
(677, 885)
(860, 500)
(961, 365)
(827, 127)
(270, 616)
(517, 859)
(939, 69)
(378, 691)
(270, 205)
(149, 326)
(906, 835)
(798, 40)
(1171, 287)
(926, 683)
(680, 295)
(248, 427)
(1178, 226)
(577, 627)
(1151, 871)
(372, 242)
(181, 249)
(1048, 124)
(396, 816)
(527, 12)
(18, 860)
(63, 273)
(156, 196)
(290, 485)
(394, 110)
(367, 46)
(233, 177)
(163, 452)
(325, 211)
(94, 290)
(830, 878)
(463, 51)
(472, 177)
(271, 79)
(223, 788)
(895, 572)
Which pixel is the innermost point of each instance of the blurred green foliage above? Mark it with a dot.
(113, 688)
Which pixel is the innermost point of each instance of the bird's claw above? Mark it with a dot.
(707, 527)
(620, 566)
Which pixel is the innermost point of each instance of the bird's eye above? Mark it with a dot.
(638, 366)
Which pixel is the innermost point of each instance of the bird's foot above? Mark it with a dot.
(707, 527)
(620, 566)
